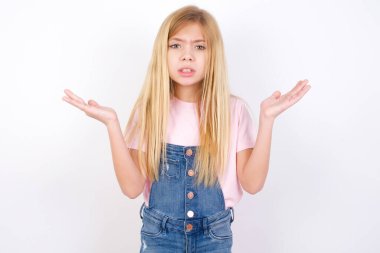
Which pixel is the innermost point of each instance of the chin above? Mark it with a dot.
(187, 82)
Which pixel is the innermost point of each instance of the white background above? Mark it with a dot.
(58, 190)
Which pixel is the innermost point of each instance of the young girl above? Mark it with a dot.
(192, 178)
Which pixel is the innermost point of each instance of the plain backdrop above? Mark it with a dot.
(58, 189)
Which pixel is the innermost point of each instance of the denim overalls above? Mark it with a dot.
(182, 217)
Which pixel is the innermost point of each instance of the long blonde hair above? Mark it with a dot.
(152, 106)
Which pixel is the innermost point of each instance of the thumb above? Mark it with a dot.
(92, 102)
(276, 94)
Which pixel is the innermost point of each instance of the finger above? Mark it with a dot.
(75, 103)
(276, 94)
(299, 94)
(297, 88)
(92, 102)
(73, 96)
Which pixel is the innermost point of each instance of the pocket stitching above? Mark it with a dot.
(152, 223)
(213, 235)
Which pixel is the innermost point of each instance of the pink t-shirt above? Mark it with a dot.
(183, 119)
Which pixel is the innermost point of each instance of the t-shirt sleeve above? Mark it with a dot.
(133, 144)
(247, 130)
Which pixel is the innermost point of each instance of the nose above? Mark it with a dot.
(187, 55)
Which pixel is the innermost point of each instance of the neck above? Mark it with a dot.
(187, 93)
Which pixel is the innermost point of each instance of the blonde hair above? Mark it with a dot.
(152, 105)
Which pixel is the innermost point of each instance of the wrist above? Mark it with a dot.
(112, 122)
(266, 120)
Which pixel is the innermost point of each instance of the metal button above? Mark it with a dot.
(189, 227)
(189, 152)
(190, 173)
(190, 195)
(190, 214)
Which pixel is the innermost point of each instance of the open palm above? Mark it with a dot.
(276, 104)
(92, 109)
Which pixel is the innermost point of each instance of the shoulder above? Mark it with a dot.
(239, 104)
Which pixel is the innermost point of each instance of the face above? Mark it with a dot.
(187, 54)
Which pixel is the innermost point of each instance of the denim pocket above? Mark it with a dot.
(151, 228)
(170, 168)
(221, 230)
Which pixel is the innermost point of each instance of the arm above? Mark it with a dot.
(128, 174)
(252, 165)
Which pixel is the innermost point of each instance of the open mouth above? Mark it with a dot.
(186, 72)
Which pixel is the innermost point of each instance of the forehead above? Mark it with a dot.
(188, 31)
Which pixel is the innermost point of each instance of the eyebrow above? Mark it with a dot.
(178, 39)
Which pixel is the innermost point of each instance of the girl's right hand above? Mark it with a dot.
(104, 114)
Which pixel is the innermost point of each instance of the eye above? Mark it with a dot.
(174, 46)
(201, 47)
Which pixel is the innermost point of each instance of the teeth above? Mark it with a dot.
(186, 70)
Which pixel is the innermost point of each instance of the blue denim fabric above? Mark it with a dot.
(173, 222)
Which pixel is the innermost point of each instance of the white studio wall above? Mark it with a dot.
(58, 189)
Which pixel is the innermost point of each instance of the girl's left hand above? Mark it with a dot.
(274, 105)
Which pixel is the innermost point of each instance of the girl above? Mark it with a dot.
(193, 177)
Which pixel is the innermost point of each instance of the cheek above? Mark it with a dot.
(171, 63)
(202, 63)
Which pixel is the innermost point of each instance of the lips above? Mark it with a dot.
(186, 71)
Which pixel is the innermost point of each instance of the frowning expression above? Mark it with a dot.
(187, 54)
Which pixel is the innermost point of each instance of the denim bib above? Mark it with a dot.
(184, 217)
